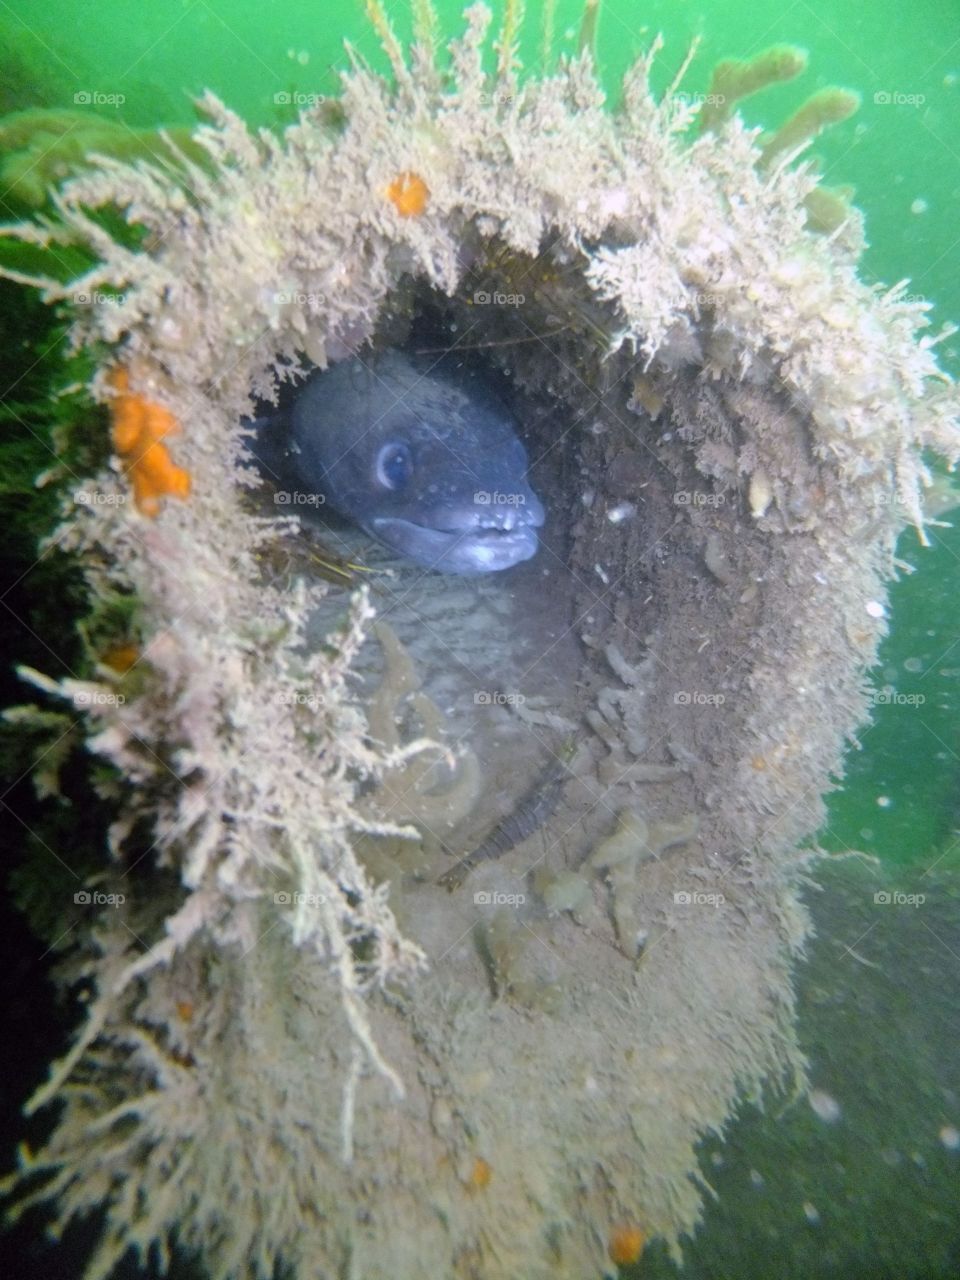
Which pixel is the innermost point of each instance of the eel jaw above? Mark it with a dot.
(477, 549)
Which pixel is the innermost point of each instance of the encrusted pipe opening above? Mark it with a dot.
(587, 696)
(488, 881)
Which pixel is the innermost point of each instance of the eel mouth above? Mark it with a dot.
(479, 548)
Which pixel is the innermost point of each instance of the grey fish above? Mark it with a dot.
(425, 460)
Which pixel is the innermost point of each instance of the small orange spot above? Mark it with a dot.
(185, 1010)
(139, 427)
(122, 658)
(626, 1245)
(480, 1174)
(410, 194)
(759, 763)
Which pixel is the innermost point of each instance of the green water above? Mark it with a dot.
(160, 56)
(901, 797)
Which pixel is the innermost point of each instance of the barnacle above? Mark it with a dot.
(139, 429)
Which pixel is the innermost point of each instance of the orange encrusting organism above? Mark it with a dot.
(139, 428)
(626, 1245)
(122, 658)
(409, 193)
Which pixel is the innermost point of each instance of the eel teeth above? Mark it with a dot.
(507, 518)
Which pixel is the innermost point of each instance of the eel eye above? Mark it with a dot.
(394, 465)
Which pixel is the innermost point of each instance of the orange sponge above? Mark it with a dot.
(139, 428)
